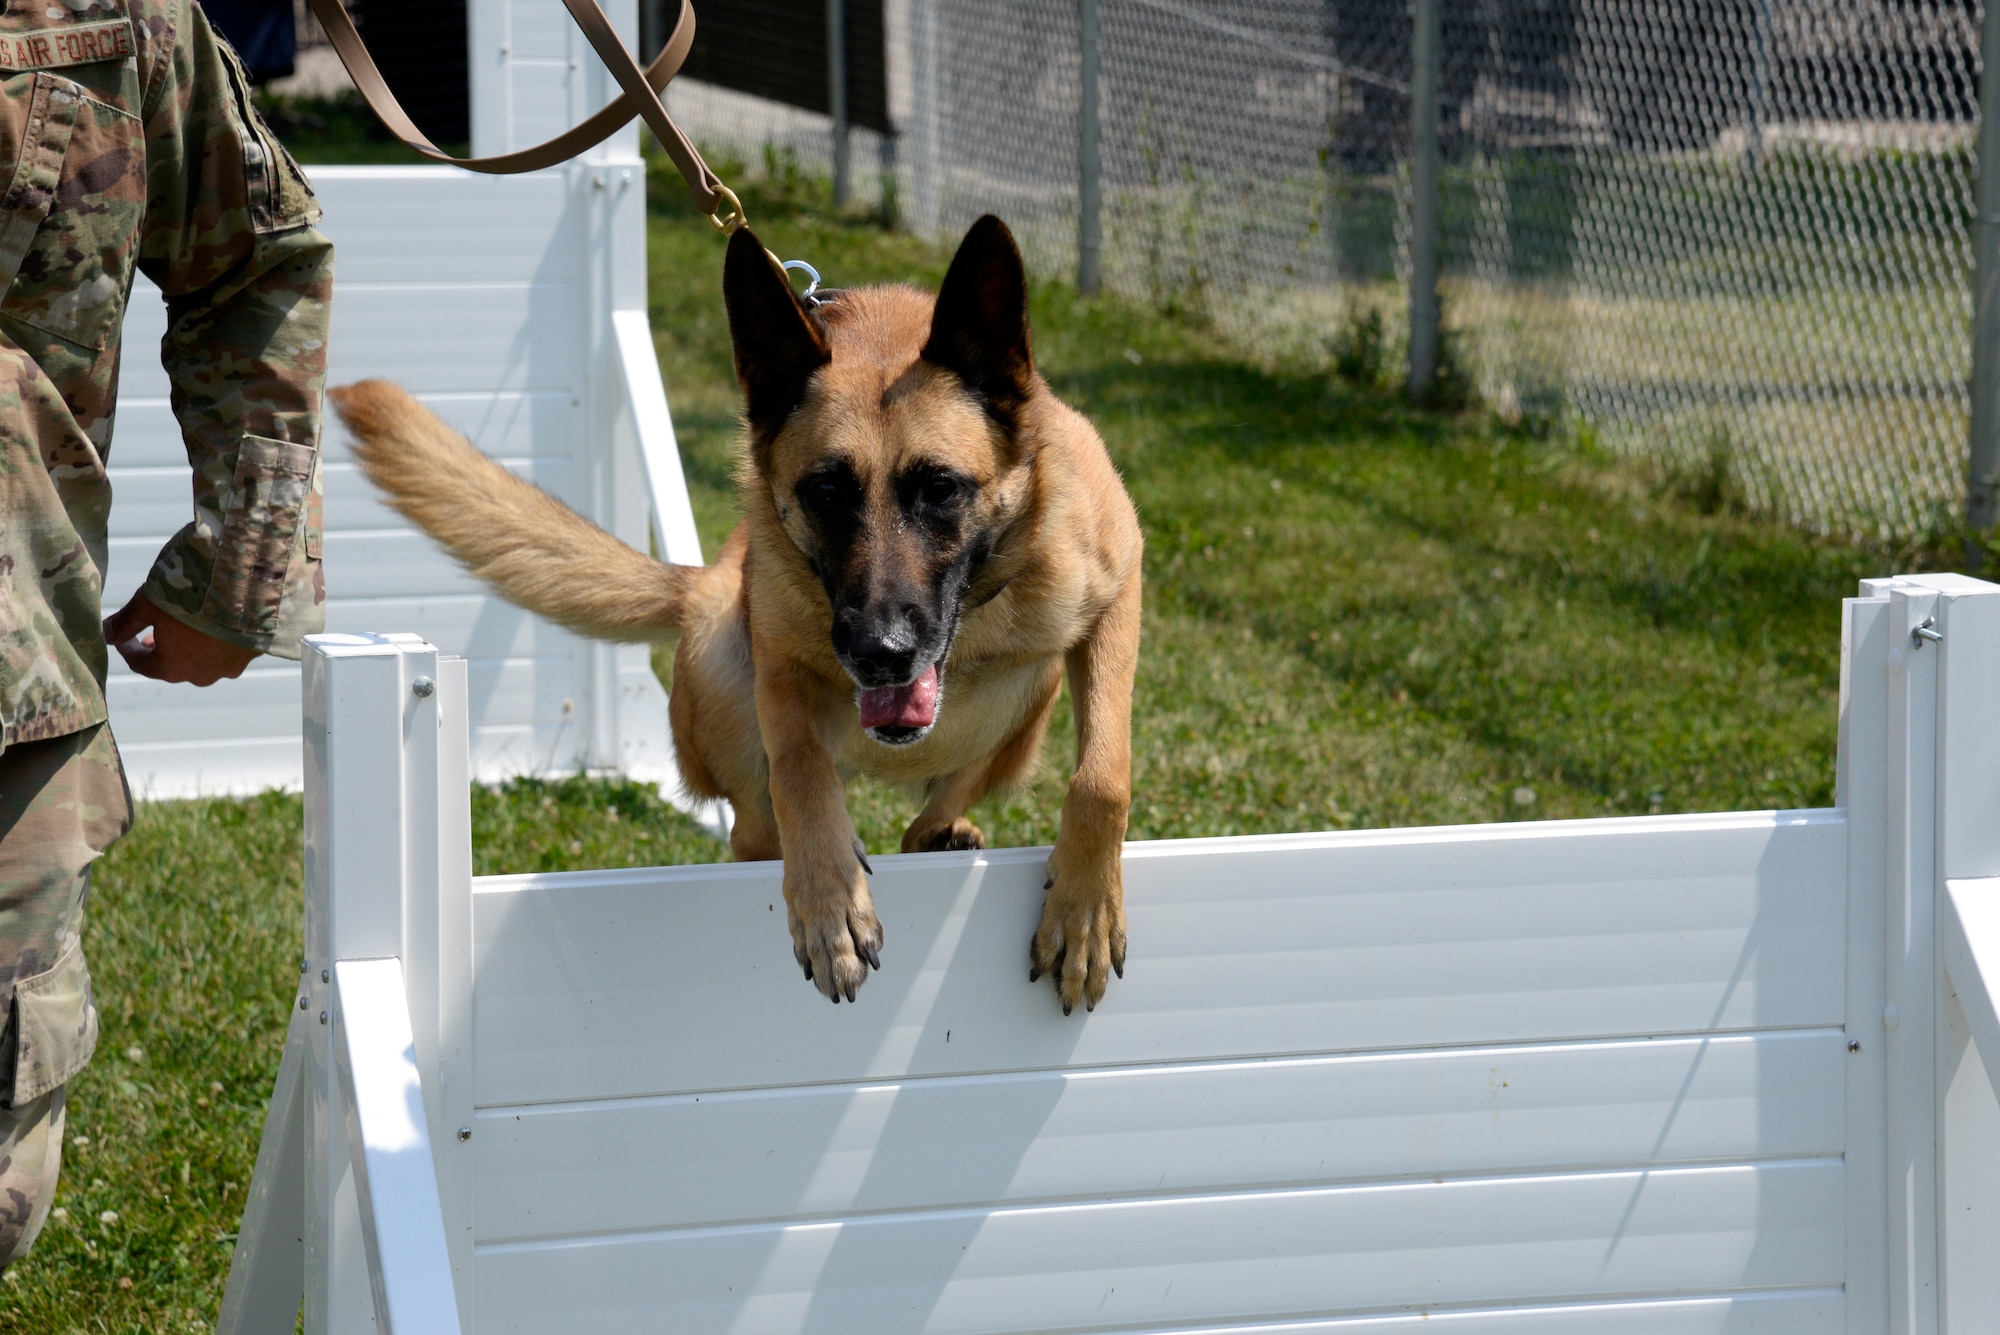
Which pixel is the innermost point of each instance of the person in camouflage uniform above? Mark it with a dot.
(133, 144)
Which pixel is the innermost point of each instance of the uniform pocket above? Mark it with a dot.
(40, 116)
(72, 280)
(55, 1021)
(260, 527)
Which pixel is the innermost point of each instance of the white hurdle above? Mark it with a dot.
(1679, 1073)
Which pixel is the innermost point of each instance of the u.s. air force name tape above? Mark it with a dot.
(53, 48)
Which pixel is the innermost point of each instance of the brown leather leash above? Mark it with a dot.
(640, 97)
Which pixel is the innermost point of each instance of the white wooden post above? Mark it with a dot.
(1968, 856)
(1908, 1014)
(388, 888)
(451, 1058)
(378, 842)
(1862, 791)
(1940, 638)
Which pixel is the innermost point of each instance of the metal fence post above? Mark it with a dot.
(1760, 78)
(1089, 188)
(1982, 480)
(836, 93)
(1425, 39)
(652, 28)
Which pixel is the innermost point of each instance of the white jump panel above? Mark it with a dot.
(1344, 1072)
(1025, 1137)
(1241, 947)
(1239, 1257)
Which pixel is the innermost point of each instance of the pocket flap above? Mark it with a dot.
(55, 1016)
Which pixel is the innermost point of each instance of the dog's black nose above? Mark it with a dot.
(879, 643)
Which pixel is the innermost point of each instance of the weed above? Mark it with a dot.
(1711, 482)
(1173, 230)
(1452, 389)
(1360, 356)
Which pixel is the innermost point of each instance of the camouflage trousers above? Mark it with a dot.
(62, 803)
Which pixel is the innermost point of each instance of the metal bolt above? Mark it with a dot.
(303, 1003)
(304, 965)
(1925, 632)
(322, 1017)
(1854, 1045)
(465, 1133)
(324, 977)
(423, 688)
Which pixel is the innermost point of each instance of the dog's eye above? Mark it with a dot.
(939, 489)
(828, 490)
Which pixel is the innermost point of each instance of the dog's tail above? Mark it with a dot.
(539, 553)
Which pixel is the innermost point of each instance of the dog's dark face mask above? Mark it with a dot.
(896, 483)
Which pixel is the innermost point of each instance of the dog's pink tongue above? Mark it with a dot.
(912, 706)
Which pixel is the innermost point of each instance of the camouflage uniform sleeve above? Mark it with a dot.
(229, 239)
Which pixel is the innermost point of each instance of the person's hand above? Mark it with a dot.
(156, 645)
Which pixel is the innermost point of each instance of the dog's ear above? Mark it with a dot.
(778, 346)
(980, 327)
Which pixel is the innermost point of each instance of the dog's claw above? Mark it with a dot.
(1034, 973)
(1118, 967)
(1048, 883)
(874, 959)
(809, 971)
(861, 855)
(1065, 1008)
(850, 994)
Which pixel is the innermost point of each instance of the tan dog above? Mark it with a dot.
(930, 541)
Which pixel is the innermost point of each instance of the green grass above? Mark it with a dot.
(1357, 614)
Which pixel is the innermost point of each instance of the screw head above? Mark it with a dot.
(423, 688)
(322, 1017)
(465, 1133)
(304, 965)
(303, 1003)
(325, 977)
(1854, 1045)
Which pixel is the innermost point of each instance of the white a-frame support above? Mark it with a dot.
(361, 1200)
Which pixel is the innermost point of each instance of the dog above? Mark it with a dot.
(931, 541)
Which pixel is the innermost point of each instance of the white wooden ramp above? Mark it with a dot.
(1707, 1073)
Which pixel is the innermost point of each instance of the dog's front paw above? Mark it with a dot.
(836, 936)
(1081, 940)
(960, 834)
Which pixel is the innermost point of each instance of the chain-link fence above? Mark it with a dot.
(1728, 236)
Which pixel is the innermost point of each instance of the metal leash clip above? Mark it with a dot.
(808, 296)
